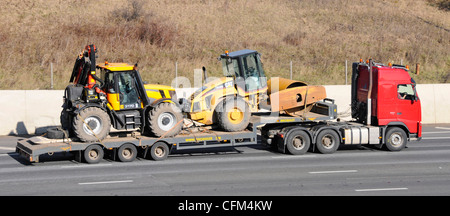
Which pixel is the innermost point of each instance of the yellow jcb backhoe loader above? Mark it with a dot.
(113, 94)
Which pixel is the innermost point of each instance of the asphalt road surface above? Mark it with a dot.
(423, 168)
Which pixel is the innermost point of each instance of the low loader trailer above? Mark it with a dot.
(386, 112)
(127, 148)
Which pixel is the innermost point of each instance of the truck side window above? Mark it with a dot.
(405, 91)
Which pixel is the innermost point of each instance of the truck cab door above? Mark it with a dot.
(408, 106)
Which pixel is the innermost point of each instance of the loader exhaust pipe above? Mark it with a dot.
(205, 75)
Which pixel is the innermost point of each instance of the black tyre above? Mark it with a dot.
(57, 133)
(159, 151)
(233, 114)
(65, 120)
(396, 139)
(91, 121)
(93, 154)
(327, 141)
(164, 120)
(298, 142)
(127, 152)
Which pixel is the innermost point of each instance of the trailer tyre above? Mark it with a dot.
(298, 142)
(327, 141)
(396, 139)
(93, 154)
(159, 151)
(127, 152)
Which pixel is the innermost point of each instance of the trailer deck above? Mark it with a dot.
(195, 138)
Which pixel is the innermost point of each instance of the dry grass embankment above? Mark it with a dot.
(318, 36)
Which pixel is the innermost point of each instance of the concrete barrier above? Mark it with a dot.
(33, 111)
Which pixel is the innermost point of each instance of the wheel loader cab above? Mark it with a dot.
(246, 67)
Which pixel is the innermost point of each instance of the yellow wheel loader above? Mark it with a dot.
(113, 94)
(229, 101)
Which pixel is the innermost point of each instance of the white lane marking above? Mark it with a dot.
(105, 182)
(293, 156)
(443, 128)
(9, 154)
(380, 189)
(333, 171)
(87, 165)
(430, 138)
(436, 132)
(7, 148)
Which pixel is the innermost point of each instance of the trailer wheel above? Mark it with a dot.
(298, 142)
(395, 139)
(93, 154)
(127, 152)
(159, 151)
(327, 141)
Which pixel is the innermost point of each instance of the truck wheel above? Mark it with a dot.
(395, 139)
(298, 142)
(98, 122)
(233, 114)
(159, 151)
(164, 119)
(327, 141)
(93, 154)
(127, 152)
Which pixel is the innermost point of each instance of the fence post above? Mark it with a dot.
(51, 75)
(345, 72)
(290, 68)
(176, 74)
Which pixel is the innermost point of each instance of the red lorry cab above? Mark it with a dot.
(394, 97)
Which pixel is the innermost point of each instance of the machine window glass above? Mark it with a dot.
(251, 72)
(109, 83)
(230, 67)
(128, 94)
(405, 91)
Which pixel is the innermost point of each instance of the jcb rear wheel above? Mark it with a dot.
(233, 114)
(91, 124)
